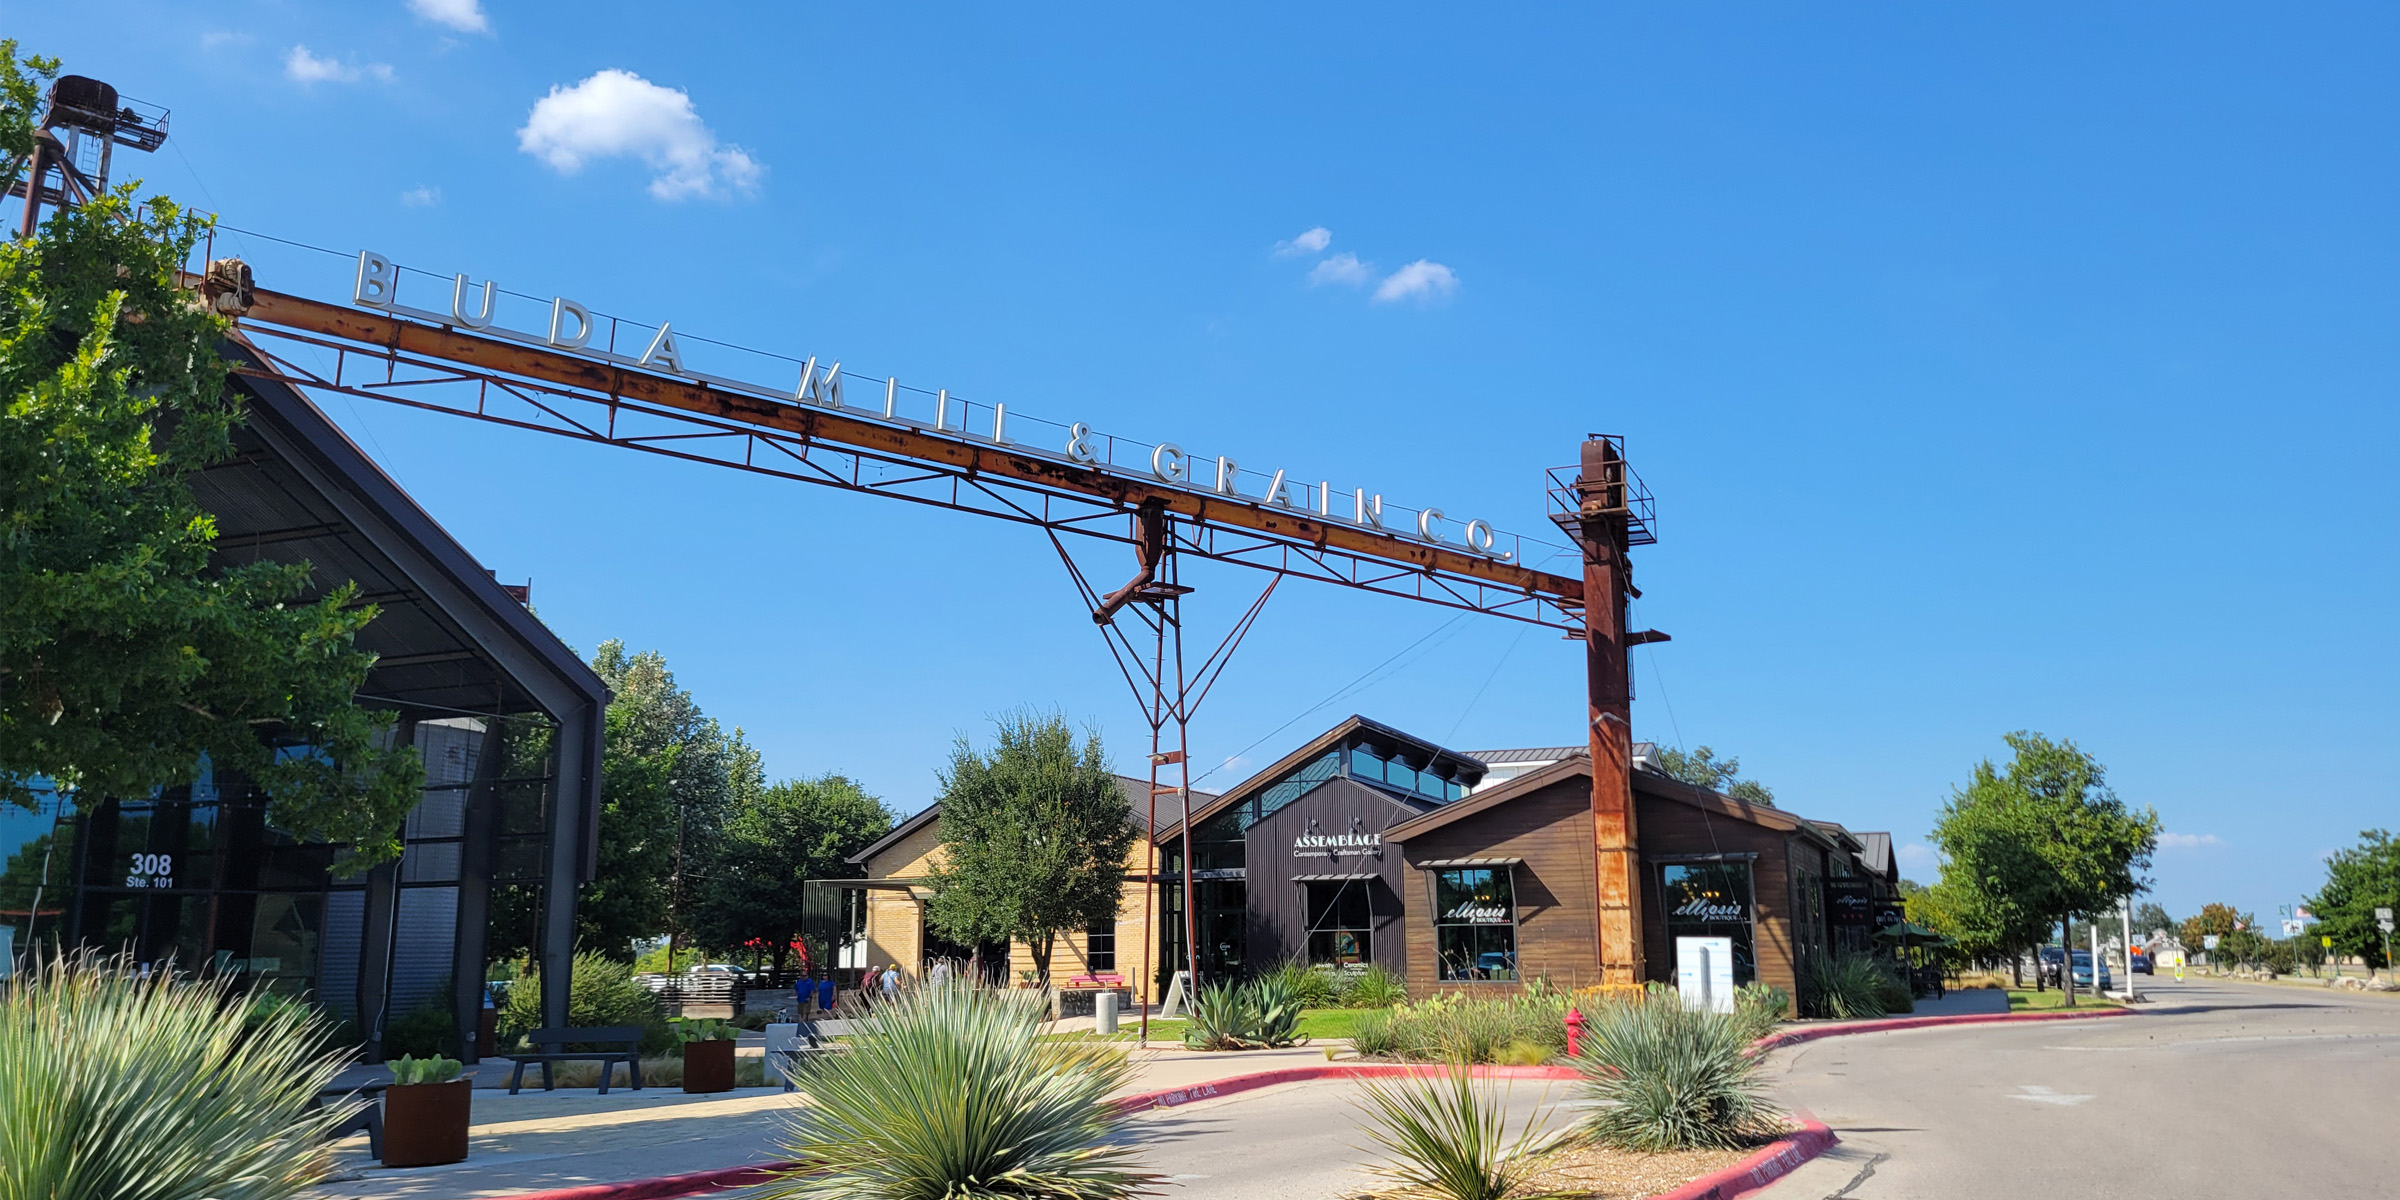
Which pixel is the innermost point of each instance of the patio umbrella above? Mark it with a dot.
(1908, 932)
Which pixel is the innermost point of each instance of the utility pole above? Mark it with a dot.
(2127, 910)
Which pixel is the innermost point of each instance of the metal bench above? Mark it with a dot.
(806, 1040)
(624, 1044)
(368, 1118)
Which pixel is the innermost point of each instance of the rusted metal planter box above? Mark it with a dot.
(708, 1066)
(425, 1124)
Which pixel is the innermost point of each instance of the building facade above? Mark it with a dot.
(506, 717)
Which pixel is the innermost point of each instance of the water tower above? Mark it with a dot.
(86, 120)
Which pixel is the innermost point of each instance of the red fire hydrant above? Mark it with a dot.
(1574, 1029)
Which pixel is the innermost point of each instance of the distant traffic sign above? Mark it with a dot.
(2383, 917)
(2209, 942)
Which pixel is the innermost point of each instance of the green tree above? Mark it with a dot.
(2150, 917)
(1702, 768)
(127, 655)
(2219, 920)
(2032, 845)
(2359, 880)
(778, 838)
(1035, 836)
(668, 776)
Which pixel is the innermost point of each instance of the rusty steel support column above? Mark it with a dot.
(1607, 578)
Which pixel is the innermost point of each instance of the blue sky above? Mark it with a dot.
(1995, 369)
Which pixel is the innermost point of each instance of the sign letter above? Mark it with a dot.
(663, 352)
(458, 303)
(1279, 492)
(376, 281)
(1079, 443)
(1369, 513)
(1425, 519)
(1167, 462)
(562, 308)
(1228, 474)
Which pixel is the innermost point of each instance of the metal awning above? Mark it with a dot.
(1444, 864)
(1347, 877)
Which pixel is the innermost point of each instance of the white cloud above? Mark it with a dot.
(1917, 854)
(618, 113)
(421, 196)
(1423, 279)
(1310, 242)
(2188, 841)
(308, 68)
(465, 16)
(1341, 268)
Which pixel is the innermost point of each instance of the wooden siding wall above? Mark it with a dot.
(1551, 829)
(1670, 827)
(1278, 923)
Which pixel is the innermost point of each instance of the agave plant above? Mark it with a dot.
(1276, 1003)
(1223, 1018)
(1446, 1135)
(947, 1093)
(118, 1087)
(1660, 1076)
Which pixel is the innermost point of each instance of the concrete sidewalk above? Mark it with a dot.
(539, 1140)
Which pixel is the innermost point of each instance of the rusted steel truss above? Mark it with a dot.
(378, 356)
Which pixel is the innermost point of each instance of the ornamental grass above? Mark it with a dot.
(115, 1086)
(1659, 1076)
(1445, 1135)
(948, 1093)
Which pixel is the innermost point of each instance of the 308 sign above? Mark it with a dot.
(152, 871)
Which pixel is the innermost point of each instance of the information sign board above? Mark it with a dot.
(1704, 973)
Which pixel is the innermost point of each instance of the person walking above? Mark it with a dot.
(891, 982)
(941, 972)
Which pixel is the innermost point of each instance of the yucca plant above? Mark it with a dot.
(949, 1093)
(1847, 987)
(118, 1087)
(1446, 1135)
(1660, 1076)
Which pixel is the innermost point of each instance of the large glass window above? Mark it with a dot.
(1712, 899)
(1100, 947)
(1341, 922)
(1475, 924)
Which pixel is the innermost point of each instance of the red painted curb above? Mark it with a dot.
(1749, 1175)
(1757, 1171)
(669, 1185)
(1794, 1037)
(1215, 1088)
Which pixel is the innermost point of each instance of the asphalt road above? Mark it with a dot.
(2216, 1089)
(1297, 1142)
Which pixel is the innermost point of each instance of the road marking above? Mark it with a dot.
(2043, 1095)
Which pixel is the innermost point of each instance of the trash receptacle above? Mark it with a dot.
(1104, 1013)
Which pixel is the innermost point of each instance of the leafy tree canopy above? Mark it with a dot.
(1702, 768)
(2031, 844)
(1034, 836)
(669, 775)
(126, 656)
(777, 838)
(2359, 880)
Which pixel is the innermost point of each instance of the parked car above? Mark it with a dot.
(2083, 971)
(2140, 964)
(2052, 962)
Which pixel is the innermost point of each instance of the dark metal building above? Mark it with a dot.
(508, 720)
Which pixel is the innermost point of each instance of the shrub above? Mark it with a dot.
(1659, 1076)
(1846, 986)
(114, 1086)
(698, 1030)
(1276, 999)
(1451, 1028)
(1448, 1136)
(1375, 987)
(429, 1028)
(1891, 988)
(603, 991)
(950, 1091)
(1760, 1007)
(1312, 987)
